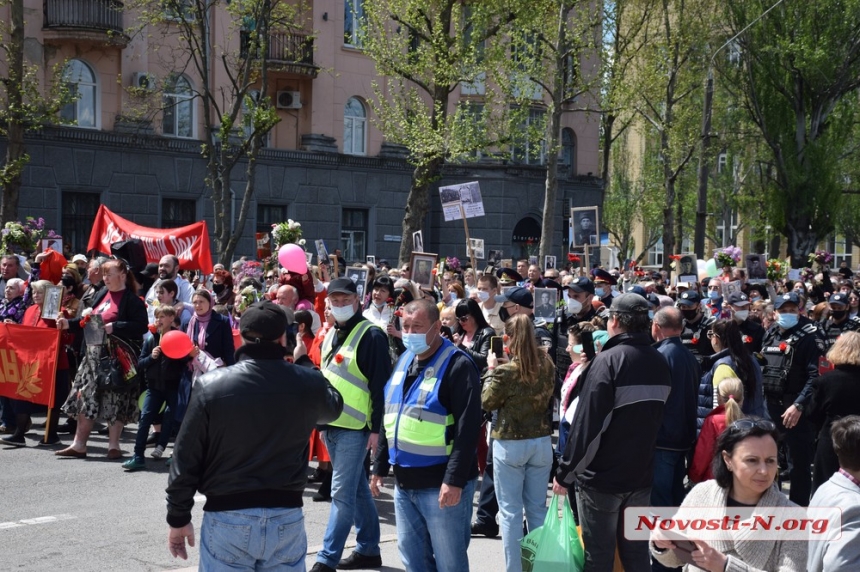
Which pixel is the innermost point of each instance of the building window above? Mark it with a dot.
(81, 82)
(79, 211)
(722, 162)
(353, 235)
(726, 235)
(528, 151)
(841, 250)
(354, 127)
(178, 113)
(352, 21)
(568, 149)
(267, 215)
(179, 10)
(178, 212)
(655, 254)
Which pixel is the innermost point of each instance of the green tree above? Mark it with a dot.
(800, 64)
(238, 113)
(425, 49)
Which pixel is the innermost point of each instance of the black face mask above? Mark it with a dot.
(68, 282)
(504, 314)
(839, 314)
(218, 288)
(690, 315)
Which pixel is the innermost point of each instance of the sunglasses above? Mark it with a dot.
(463, 319)
(744, 424)
(270, 277)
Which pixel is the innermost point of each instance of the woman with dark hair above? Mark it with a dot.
(210, 331)
(379, 310)
(473, 333)
(835, 394)
(123, 315)
(745, 467)
(222, 287)
(520, 391)
(732, 359)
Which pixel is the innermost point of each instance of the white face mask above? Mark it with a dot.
(574, 306)
(483, 296)
(741, 315)
(342, 314)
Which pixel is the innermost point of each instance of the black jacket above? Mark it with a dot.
(480, 347)
(804, 365)
(131, 322)
(219, 338)
(835, 394)
(162, 373)
(244, 440)
(614, 433)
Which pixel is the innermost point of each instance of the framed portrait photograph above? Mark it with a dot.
(309, 258)
(533, 260)
(422, 264)
(507, 263)
(358, 275)
(494, 257)
(371, 260)
(545, 300)
(418, 241)
(322, 252)
(55, 244)
(584, 227)
(756, 268)
(477, 247)
(52, 302)
(687, 266)
(548, 262)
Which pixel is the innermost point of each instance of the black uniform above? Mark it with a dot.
(831, 330)
(695, 338)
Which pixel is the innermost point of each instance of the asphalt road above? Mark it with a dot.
(90, 515)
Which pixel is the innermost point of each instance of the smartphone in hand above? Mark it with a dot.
(496, 346)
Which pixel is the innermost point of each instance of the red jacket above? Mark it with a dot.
(713, 425)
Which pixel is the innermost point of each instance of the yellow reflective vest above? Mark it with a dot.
(341, 370)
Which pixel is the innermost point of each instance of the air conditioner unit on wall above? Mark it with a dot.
(144, 80)
(288, 100)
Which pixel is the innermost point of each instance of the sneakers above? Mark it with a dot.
(134, 464)
(358, 561)
(157, 452)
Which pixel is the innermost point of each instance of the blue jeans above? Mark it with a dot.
(351, 502)
(429, 538)
(151, 406)
(522, 472)
(667, 489)
(259, 539)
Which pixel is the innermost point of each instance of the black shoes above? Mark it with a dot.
(320, 567)
(358, 561)
(481, 529)
(153, 439)
(14, 440)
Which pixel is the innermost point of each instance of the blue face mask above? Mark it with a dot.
(714, 295)
(650, 314)
(787, 321)
(599, 292)
(416, 343)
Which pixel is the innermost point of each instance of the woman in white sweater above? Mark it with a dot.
(745, 466)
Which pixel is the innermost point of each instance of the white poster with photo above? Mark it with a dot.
(477, 247)
(467, 195)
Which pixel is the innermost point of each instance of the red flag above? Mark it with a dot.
(28, 363)
(190, 244)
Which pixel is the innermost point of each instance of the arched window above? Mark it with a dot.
(354, 127)
(568, 149)
(178, 112)
(81, 82)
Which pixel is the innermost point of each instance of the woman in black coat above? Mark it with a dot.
(473, 332)
(834, 395)
(209, 330)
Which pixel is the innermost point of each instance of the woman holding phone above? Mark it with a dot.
(472, 333)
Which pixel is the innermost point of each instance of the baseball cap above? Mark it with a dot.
(149, 271)
(638, 290)
(263, 321)
(738, 299)
(517, 295)
(629, 303)
(689, 298)
(789, 298)
(82, 258)
(582, 284)
(340, 286)
(838, 298)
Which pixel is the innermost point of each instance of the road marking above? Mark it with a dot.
(38, 520)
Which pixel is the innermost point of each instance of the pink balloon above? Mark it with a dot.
(176, 344)
(292, 257)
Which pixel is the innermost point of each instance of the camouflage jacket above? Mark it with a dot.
(523, 409)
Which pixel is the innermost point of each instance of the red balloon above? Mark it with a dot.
(176, 344)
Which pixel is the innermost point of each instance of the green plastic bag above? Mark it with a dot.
(555, 546)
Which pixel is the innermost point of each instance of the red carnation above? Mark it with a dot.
(695, 341)
(783, 346)
(84, 321)
(747, 339)
(152, 328)
(338, 358)
(398, 313)
(390, 301)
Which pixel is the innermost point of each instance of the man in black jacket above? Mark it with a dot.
(252, 471)
(610, 452)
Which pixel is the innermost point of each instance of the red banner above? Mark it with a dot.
(28, 363)
(190, 244)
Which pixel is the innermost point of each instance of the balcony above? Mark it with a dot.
(84, 21)
(288, 53)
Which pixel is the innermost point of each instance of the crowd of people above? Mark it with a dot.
(664, 393)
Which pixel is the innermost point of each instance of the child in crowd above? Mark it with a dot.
(730, 399)
(162, 376)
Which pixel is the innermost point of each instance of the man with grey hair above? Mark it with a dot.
(677, 433)
(9, 268)
(625, 387)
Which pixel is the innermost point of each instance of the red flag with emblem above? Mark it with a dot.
(28, 363)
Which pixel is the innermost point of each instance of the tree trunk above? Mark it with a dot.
(801, 242)
(16, 153)
(418, 203)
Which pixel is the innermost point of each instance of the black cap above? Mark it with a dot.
(629, 303)
(582, 284)
(508, 274)
(150, 270)
(342, 286)
(517, 295)
(688, 298)
(263, 321)
(653, 300)
(838, 298)
(738, 299)
(790, 298)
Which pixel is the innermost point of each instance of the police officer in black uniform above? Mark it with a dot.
(791, 349)
(839, 320)
(582, 290)
(696, 327)
(752, 333)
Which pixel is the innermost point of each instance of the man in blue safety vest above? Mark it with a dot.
(430, 433)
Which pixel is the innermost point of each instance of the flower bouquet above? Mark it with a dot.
(820, 257)
(452, 263)
(777, 269)
(289, 232)
(25, 237)
(251, 269)
(727, 257)
(247, 296)
(575, 261)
